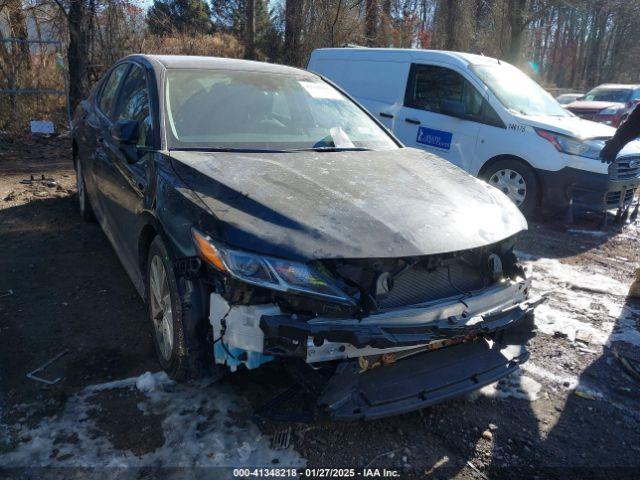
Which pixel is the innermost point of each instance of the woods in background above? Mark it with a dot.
(572, 44)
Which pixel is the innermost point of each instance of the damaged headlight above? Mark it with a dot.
(268, 272)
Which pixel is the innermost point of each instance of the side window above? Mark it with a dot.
(134, 104)
(429, 86)
(108, 94)
(636, 95)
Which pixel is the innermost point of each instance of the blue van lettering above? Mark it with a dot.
(434, 138)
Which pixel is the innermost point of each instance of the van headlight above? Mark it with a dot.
(589, 148)
(268, 272)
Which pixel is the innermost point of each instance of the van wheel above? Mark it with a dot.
(517, 181)
(181, 354)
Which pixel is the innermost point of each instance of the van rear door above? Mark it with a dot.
(442, 113)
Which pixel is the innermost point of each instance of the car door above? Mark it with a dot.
(127, 174)
(96, 122)
(440, 113)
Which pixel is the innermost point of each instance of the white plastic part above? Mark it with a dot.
(242, 323)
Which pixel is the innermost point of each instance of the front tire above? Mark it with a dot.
(517, 181)
(181, 354)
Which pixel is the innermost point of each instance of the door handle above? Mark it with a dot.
(412, 120)
(385, 115)
(100, 139)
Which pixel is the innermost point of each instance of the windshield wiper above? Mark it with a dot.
(331, 149)
(226, 149)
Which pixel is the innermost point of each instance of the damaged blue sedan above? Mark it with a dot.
(264, 216)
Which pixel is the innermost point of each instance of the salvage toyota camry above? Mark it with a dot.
(263, 215)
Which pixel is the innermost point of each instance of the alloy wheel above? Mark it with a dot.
(161, 313)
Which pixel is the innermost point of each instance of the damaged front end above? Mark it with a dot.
(390, 335)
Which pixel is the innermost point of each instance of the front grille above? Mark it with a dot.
(419, 285)
(586, 113)
(613, 198)
(625, 168)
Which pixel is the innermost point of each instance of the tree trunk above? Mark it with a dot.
(250, 30)
(517, 25)
(371, 23)
(77, 51)
(292, 27)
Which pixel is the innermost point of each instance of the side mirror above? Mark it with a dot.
(453, 108)
(125, 132)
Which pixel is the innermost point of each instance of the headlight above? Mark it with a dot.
(609, 111)
(573, 146)
(268, 272)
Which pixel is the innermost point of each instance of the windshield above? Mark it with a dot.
(264, 111)
(619, 95)
(517, 92)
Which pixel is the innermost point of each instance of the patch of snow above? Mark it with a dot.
(551, 274)
(593, 233)
(550, 320)
(567, 381)
(625, 330)
(515, 385)
(200, 428)
(147, 382)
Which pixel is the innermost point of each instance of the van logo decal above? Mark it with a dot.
(434, 138)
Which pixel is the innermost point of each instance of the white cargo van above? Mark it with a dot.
(489, 118)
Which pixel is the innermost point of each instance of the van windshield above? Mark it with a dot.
(517, 92)
(248, 110)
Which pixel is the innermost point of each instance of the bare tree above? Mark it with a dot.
(250, 29)
(292, 28)
(371, 23)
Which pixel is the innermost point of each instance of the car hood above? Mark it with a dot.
(593, 105)
(362, 204)
(569, 125)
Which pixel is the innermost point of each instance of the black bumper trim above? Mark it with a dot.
(280, 330)
(419, 381)
(588, 190)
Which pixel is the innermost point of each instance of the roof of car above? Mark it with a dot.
(415, 53)
(618, 85)
(218, 63)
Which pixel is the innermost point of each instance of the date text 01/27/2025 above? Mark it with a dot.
(315, 473)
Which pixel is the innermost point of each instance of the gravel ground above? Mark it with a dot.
(573, 410)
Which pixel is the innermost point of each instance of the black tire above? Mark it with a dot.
(84, 205)
(188, 357)
(531, 185)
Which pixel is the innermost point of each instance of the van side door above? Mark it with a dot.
(442, 113)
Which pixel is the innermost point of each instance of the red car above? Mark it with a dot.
(609, 103)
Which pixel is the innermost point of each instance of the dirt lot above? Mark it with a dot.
(573, 410)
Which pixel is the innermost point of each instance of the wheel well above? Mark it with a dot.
(146, 237)
(492, 161)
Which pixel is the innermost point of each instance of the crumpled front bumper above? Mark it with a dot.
(469, 351)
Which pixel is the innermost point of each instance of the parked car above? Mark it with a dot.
(610, 103)
(567, 98)
(262, 214)
(490, 119)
